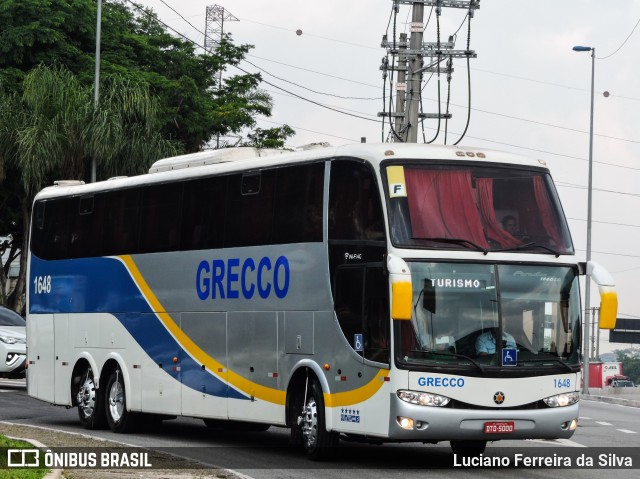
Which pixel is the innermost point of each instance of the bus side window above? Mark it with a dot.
(362, 307)
(122, 222)
(376, 315)
(160, 218)
(355, 212)
(348, 287)
(86, 227)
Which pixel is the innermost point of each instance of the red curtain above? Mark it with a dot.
(495, 231)
(441, 205)
(546, 210)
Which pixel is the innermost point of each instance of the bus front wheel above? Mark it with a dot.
(318, 442)
(119, 419)
(90, 406)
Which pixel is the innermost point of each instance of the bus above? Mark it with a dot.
(346, 293)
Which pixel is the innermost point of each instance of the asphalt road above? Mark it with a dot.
(266, 455)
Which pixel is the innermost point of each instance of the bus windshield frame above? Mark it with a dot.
(459, 308)
(475, 207)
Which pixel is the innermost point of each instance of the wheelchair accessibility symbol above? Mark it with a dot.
(357, 343)
(509, 357)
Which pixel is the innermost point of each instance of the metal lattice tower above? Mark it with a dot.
(214, 28)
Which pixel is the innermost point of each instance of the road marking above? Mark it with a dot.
(602, 423)
(626, 431)
(562, 442)
(585, 417)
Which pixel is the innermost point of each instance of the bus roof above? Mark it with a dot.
(246, 159)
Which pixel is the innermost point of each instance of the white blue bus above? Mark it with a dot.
(352, 292)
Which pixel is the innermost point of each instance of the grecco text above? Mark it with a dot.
(441, 382)
(231, 278)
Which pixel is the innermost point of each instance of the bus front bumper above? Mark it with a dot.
(410, 422)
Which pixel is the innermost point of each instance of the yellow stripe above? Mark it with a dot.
(357, 395)
(256, 390)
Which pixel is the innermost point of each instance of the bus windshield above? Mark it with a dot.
(483, 208)
(459, 310)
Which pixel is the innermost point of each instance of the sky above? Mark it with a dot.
(530, 94)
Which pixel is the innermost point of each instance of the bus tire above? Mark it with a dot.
(90, 402)
(115, 402)
(318, 443)
(468, 448)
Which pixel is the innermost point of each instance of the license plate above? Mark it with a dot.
(499, 427)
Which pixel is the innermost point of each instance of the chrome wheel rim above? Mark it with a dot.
(310, 423)
(116, 401)
(87, 397)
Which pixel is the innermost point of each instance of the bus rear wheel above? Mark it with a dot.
(318, 443)
(119, 419)
(90, 406)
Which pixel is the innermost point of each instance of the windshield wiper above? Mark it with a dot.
(532, 244)
(555, 360)
(459, 241)
(453, 355)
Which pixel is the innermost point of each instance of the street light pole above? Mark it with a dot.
(96, 87)
(587, 289)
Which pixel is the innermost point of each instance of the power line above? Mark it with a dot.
(623, 43)
(605, 222)
(573, 185)
(373, 86)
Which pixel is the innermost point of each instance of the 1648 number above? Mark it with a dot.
(42, 284)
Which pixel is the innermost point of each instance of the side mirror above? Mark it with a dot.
(608, 295)
(401, 289)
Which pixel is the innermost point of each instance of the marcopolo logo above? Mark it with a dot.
(232, 278)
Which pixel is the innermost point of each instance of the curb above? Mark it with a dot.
(612, 400)
(55, 473)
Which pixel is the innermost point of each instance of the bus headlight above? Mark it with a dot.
(561, 400)
(423, 399)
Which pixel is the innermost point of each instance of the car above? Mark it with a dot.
(623, 383)
(13, 344)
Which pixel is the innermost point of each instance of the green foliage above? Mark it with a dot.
(192, 106)
(270, 138)
(159, 95)
(630, 359)
(17, 473)
(53, 130)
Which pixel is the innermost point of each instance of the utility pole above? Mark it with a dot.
(414, 85)
(213, 35)
(410, 65)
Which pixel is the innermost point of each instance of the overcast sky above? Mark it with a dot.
(530, 93)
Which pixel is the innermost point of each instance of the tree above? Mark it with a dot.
(192, 106)
(630, 359)
(270, 138)
(53, 130)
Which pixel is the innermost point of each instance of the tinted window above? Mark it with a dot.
(203, 212)
(355, 211)
(160, 218)
(122, 222)
(86, 227)
(250, 209)
(298, 204)
(278, 205)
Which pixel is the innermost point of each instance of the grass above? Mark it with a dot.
(14, 473)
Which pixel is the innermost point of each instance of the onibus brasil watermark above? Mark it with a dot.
(36, 458)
